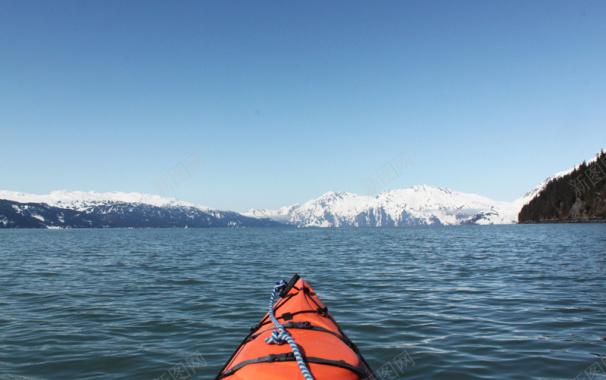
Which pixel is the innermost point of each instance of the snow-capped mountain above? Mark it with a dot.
(81, 200)
(282, 214)
(76, 209)
(419, 205)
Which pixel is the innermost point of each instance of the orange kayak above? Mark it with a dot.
(323, 346)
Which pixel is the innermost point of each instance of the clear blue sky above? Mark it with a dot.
(286, 100)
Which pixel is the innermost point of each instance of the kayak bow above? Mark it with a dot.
(323, 346)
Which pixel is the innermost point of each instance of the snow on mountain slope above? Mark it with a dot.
(77, 209)
(445, 206)
(81, 200)
(419, 205)
(331, 210)
(538, 188)
(281, 215)
(519, 203)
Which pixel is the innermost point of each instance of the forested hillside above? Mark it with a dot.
(576, 197)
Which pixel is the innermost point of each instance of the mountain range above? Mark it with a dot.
(77, 209)
(419, 205)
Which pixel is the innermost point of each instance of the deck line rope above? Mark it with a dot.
(280, 335)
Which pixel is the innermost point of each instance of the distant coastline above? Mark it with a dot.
(577, 195)
(558, 221)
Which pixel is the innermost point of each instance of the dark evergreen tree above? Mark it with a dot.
(579, 196)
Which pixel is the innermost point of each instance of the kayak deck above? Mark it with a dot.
(327, 351)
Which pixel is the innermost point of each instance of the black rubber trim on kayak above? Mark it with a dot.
(298, 325)
(322, 312)
(255, 328)
(233, 356)
(290, 357)
(290, 284)
(307, 326)
(289, 325)
(350, 343)
(353, 346)
(368, 373)
(314, 301)
(280, 303)
(265, 319)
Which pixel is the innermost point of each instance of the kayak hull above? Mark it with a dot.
(327, 351)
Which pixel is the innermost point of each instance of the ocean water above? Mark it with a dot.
(461, 302)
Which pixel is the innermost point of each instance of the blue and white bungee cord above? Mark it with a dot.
(280, 335)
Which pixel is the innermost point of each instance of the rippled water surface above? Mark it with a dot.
(467, 302)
